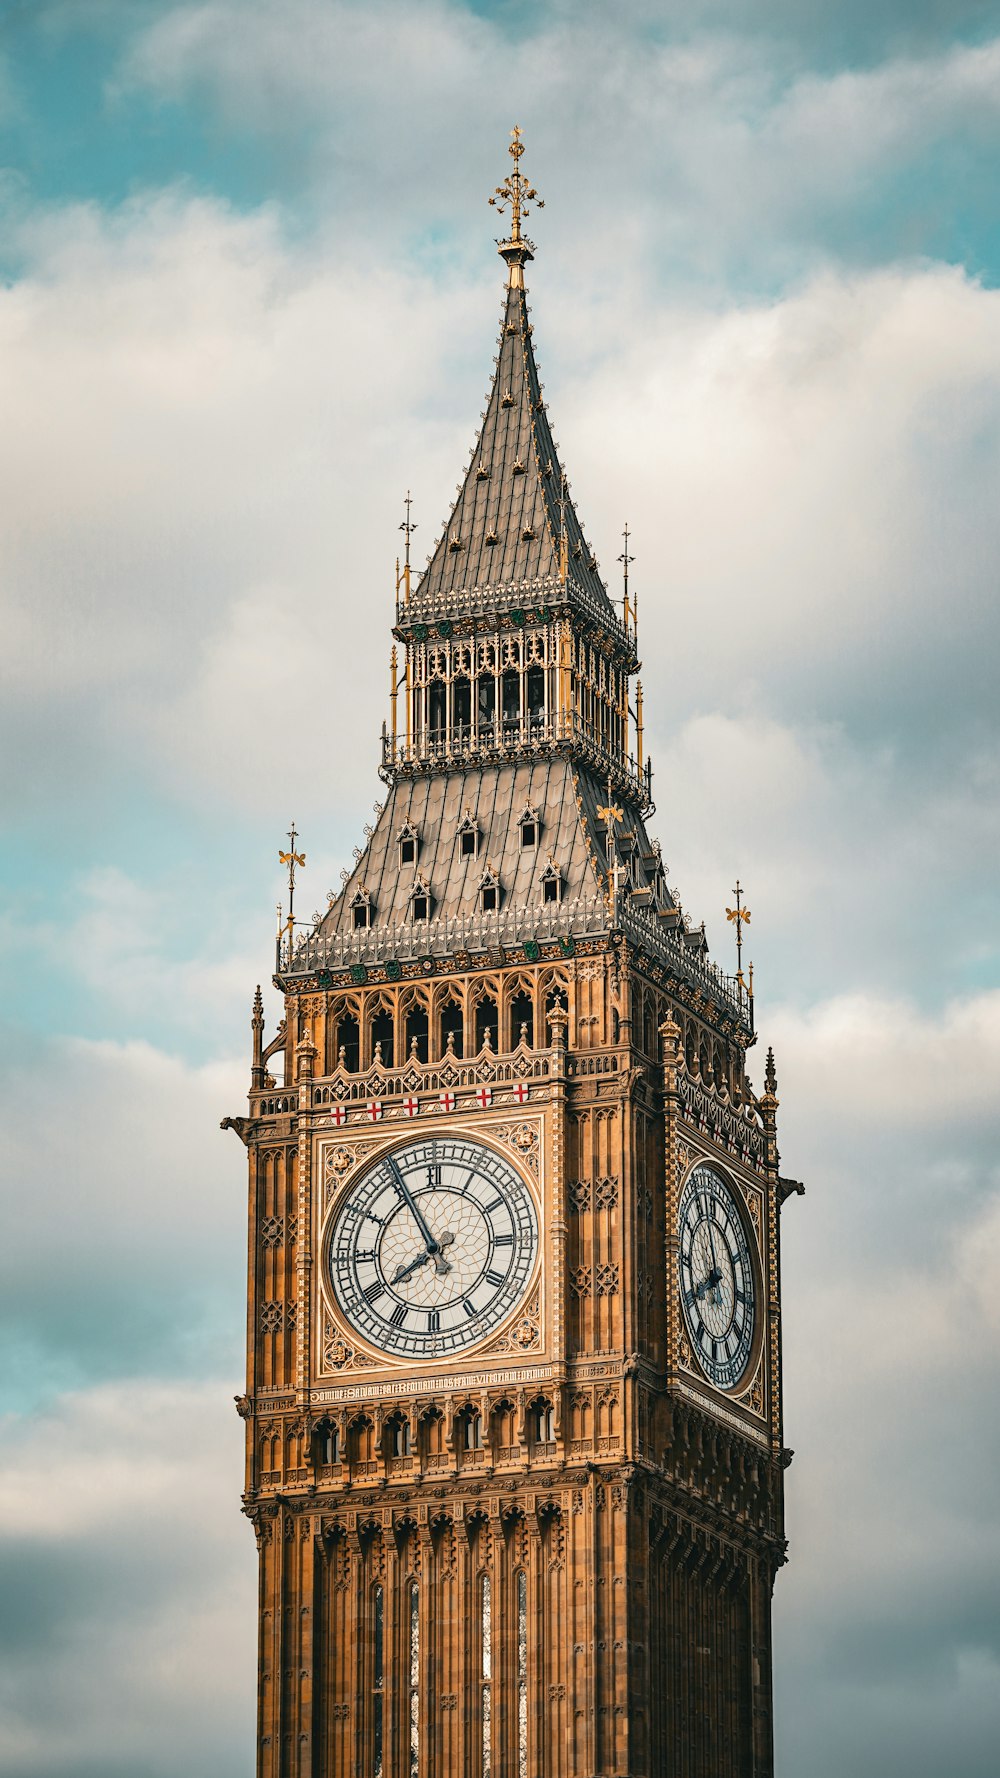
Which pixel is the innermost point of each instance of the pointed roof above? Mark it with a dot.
(513, 537)
(506, 525)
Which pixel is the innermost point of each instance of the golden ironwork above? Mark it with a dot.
(740, 917)
(407, 527)
(291, 858)
(516, 190)
(629, 609)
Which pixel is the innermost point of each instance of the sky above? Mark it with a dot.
(248, 297)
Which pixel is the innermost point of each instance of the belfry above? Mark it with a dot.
(513, 1411)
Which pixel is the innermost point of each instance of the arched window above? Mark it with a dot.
(487, 1025)
(348, 1043)
(535, 690)
(472, 1430)
(416, 1033)
(330, 1442)
(361, 911)
(543, 1422)
(383, 1034)
(510, 686)
(522, 1021)
(453, 1027)
(400, 1435)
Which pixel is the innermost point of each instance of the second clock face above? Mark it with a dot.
(718, 1282)
(433, 1248)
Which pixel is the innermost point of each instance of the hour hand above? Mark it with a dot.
(402, 1272)
(442, 1265)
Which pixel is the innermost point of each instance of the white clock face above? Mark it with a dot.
(718, 1282)
(433, 1247)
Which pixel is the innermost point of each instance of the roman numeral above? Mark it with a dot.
(469, 1310)
(399, 1314)
(494, 1278)
(503, 1240)
(433, 1321)
(374, 1291)
(494, 1206)
(365, 1253)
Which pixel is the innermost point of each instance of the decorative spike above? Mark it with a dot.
(770, 1076)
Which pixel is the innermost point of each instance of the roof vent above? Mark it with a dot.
(455, 542)
(518, 468)
(507, 399)
(528, 534)
(491, 538)
(482, 473)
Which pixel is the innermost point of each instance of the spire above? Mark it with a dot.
(516, 192)
(513, 541)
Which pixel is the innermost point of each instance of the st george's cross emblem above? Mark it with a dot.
(520, 1091)
(485, 1097)
(447, 1101)
(373, 1109)
(410, 1106)
(338, 1115)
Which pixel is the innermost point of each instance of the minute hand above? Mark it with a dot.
(408, 1198)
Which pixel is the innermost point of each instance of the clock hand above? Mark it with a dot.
(411, 1203)
(402, 1272)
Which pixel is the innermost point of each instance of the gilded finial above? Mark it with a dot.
(516, 192)
(626, 561)
(740, 917)
(291, 858)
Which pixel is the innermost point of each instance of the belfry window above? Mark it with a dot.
(486, 704)
(535, 689)
(522, 1021)
(511, 689)
(437, 705)
(453, 1029)
(462, 704)
(348, 1043)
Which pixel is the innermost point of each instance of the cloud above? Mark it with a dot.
(125, 1239)
(891, 1270)
(742, 151)
(124, 1554)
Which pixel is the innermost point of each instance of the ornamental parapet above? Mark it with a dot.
(737, 1128)
(529, 933)
(469, 746)
(537, 599)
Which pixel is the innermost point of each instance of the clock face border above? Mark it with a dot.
(751, 1257)
(366, 1165)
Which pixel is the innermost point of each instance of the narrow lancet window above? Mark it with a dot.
(486, 1674)
(378, 1679)
(522, 1674)
(414, 1679)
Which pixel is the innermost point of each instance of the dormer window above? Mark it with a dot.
(489, 891)
(420, 900)
(468, 837)
(530, 827)
(409, 840)
(552, 883)
(361, 911)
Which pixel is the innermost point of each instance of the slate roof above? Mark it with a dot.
(512, 492)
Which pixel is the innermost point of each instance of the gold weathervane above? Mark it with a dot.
(740, 917)
(520, 195)
(291, 858)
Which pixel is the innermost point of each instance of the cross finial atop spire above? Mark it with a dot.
(516, 192)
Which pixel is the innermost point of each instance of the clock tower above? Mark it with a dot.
(513, 1412)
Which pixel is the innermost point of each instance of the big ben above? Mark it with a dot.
(514, 1453)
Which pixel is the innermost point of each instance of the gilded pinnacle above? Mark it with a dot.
(516, 192)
